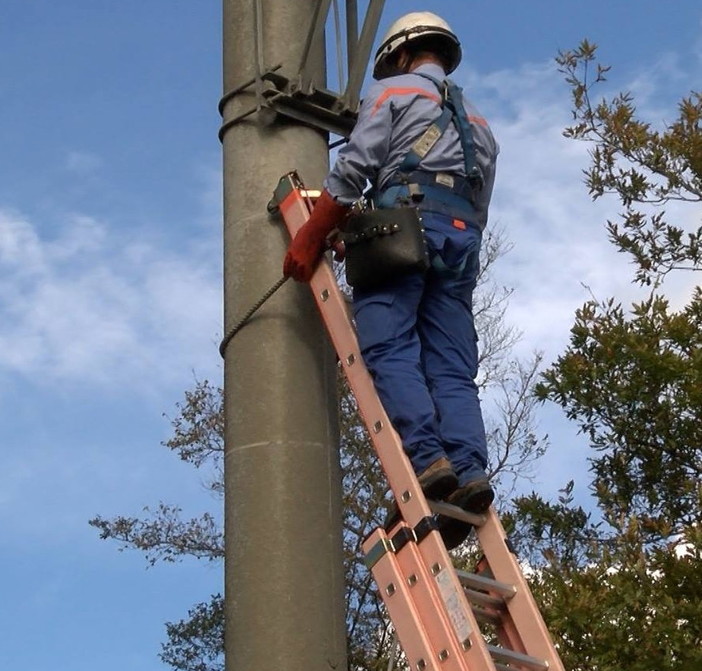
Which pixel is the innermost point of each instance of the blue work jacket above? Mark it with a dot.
(394, 114)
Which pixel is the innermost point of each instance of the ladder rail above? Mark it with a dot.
(524, 630)
(448, 593)
(419, 572)
(400, 605)
(424, 598)
(332, 305)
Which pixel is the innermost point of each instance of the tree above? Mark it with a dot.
(622, 590)
(641, 165)
(195, 643)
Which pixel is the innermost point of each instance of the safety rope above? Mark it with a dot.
(242, 322)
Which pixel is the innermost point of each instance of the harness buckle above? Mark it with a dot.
(475, 178)
(415, 193)
(445, 179)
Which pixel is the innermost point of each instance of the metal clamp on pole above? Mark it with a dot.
(261, 99)
(299, 96)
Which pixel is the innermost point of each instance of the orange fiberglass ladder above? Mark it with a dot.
(434, 608)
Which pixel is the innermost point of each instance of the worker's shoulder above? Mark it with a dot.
(407, 80)
(402, 87)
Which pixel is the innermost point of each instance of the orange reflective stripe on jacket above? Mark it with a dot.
(408, 91)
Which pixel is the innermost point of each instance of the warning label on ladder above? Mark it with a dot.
(454, 605)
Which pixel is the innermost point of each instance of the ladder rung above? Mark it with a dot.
(486, 584)
(512, 657)
(446, 509)
(482, 599)
(487, 616)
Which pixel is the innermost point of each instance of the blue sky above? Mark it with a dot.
(110, 271)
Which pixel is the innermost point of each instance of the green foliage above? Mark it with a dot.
(196, 644)
(552, 534)
(164, 535)
(624, 593)
(634, 385)
(629, 608)
(641, 165)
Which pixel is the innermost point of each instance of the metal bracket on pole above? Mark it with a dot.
(351, 31)
(299, 97)
(361, 55)
(316, 32)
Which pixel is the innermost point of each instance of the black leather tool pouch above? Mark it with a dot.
(382, 245)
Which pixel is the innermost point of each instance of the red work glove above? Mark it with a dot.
(308, 245)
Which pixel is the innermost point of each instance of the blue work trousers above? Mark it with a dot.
(418, 340)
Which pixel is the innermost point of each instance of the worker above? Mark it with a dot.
(416, 332)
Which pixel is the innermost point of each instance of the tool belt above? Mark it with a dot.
(382, 245)
(439, 192)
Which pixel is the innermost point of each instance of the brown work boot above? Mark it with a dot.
(437, 481)
(476, 497)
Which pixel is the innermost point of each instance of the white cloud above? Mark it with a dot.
(94, 306)
(562, 256)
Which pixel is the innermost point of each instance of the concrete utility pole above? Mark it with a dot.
(284, 597)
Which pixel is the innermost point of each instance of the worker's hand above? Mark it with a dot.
(310, 242)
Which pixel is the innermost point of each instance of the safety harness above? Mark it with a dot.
(446, 193)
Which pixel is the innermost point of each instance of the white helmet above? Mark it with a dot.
(411, 27)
